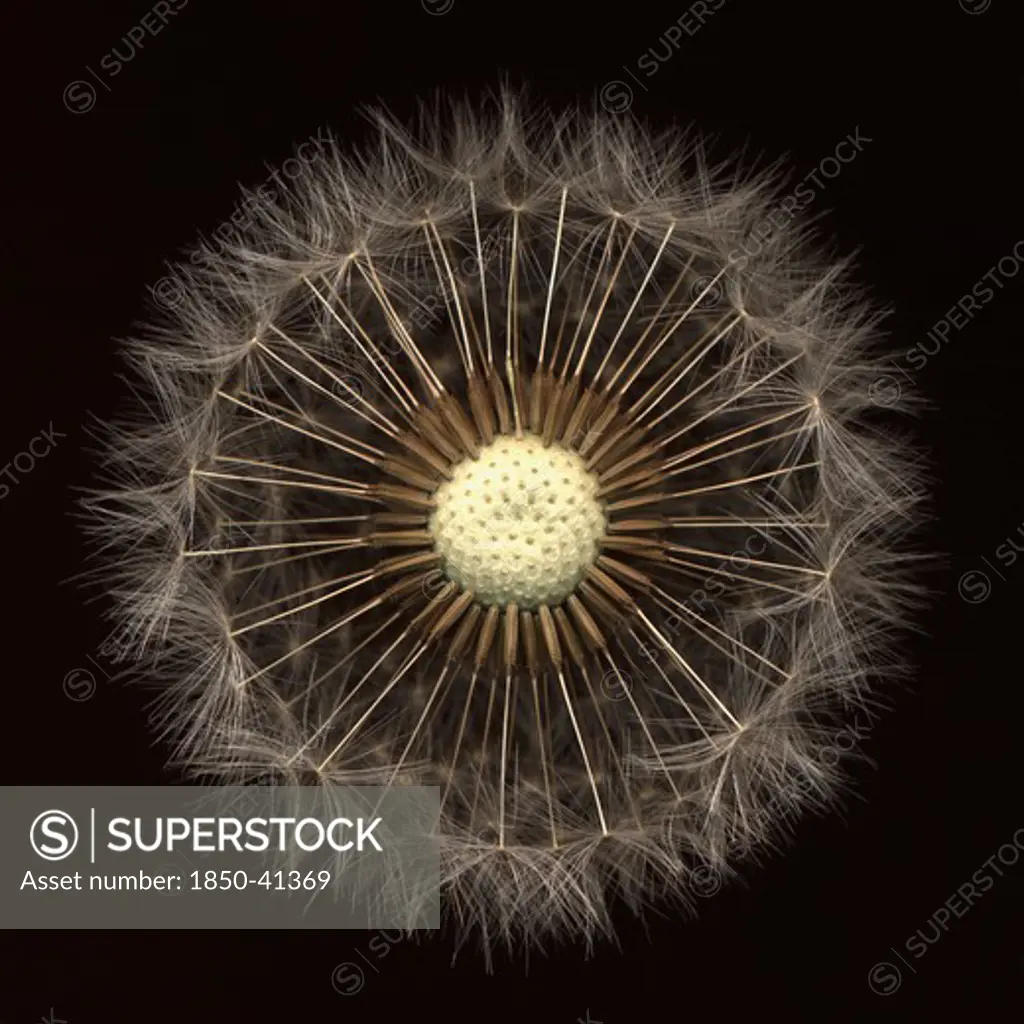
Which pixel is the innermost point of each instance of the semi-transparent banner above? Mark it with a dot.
(219, 857)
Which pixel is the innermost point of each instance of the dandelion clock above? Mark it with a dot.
(494, 457)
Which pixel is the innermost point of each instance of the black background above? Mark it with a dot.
(101, 197)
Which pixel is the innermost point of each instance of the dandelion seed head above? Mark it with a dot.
(497, 459)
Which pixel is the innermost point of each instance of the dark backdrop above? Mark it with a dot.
(104, 185)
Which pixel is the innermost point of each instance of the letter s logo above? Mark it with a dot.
(59, 832)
